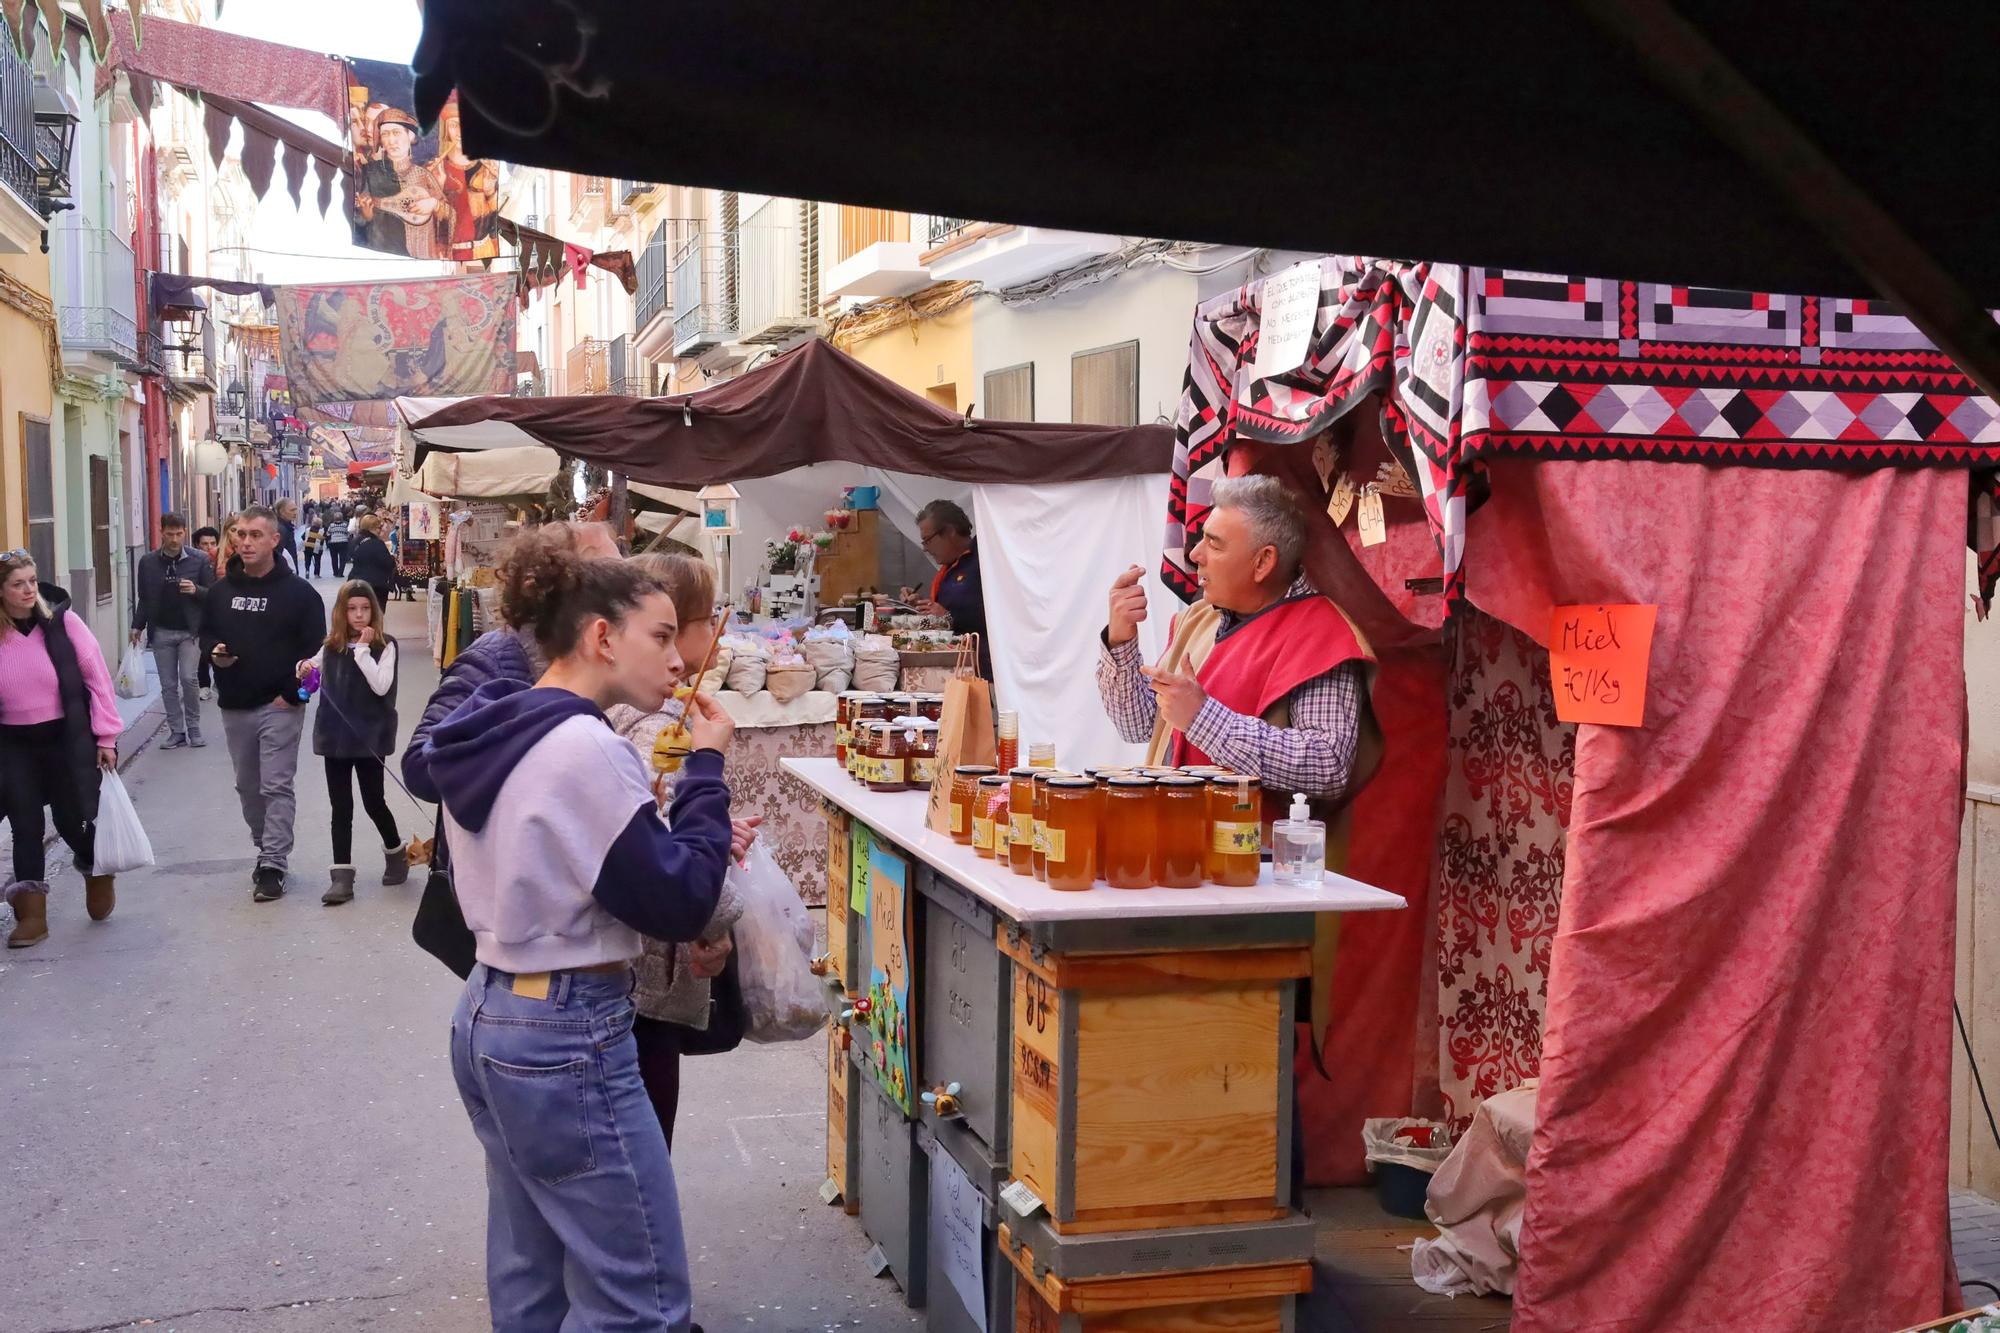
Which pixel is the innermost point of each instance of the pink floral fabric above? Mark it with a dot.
(1746, 1068)
(794, 825)
(1500, 861)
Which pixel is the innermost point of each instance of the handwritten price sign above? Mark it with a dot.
(1597, 659)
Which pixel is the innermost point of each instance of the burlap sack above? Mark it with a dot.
(746, 670)
(876, 669)
(788, 681)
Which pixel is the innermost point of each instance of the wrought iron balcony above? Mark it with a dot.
(655, 280)
(95, 293)
(943, 229)
(17, 124)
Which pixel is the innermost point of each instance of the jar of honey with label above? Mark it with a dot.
(1071, 832)
(930, 706)
(987, 791)
(1131, 829)
(1021, 820)
(1235, 830)
(964, 789)
(1039, 855)
(844, 721)
(922, 738)
(867, 709)
(885, 767)
(1182, 812)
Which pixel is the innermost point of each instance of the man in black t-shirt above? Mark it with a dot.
(260, 622)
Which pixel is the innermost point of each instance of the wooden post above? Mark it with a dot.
(621, 507)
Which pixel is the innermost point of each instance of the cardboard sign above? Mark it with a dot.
(1597, 660)
(890, 1018)
(1289, 308)
(1343, 499)
(1374, 524)
(958, 1233)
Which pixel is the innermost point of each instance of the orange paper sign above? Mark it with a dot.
(1597, 659)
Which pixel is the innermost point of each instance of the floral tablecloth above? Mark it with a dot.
(793, 825)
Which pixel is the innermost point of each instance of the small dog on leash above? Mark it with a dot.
(419, 851)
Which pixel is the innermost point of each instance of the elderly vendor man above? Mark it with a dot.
(1263, 675)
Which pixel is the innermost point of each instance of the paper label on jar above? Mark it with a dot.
(1021, 828)
(1040, 837)
(982, 830)
(1056, 844)
(872, 768)
(1003, 838)
(1237, 839)
(957, 817)
(923, 770)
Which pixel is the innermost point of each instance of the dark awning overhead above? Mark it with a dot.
(1524, 136)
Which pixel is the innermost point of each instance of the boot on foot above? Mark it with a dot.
(396, 867)
(31, 914)
(99, 895)
(341, 888)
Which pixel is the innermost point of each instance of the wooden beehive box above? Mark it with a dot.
(842, 1113)
(1258, 1299)
(1153, 1089)
(839, 889)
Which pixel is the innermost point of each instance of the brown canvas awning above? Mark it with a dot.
(813, 404)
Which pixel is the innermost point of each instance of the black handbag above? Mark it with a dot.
(728, 1020)
(439, 927)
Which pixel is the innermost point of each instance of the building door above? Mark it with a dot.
(41, 475)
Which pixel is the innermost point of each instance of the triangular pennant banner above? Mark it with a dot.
(217, 122)
(260, 160)
(295, 160)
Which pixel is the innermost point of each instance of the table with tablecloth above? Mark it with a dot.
(767, 731)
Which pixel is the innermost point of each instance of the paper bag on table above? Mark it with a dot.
(965, 729)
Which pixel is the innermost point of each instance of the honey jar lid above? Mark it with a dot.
(1024, 772)
(857, 694)
(970, 770)
(992, 780)
(926, 724)
(1067, 781)
(1235, 780)
(1182, 780)
(1131, 780)
(1051, 774)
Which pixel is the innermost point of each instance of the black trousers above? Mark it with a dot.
(368, 773)
(660, 1069)
(35, 774)
(338, 550)
(312, 561)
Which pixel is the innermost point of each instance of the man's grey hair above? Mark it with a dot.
(1273, 513)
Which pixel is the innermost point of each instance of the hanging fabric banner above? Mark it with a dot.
(411, 193)
(433, 337)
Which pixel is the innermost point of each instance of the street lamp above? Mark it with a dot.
(233, 397)
(56, 119)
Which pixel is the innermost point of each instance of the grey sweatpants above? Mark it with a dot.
(264, 748)
(177, 654)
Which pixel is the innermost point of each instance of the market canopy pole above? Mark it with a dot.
(1685, 62)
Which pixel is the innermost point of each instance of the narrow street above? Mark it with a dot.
(223, 1115)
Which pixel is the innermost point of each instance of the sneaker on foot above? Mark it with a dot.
(175, 743)
(197, 742)
(270, 884)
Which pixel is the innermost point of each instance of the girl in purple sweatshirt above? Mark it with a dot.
(562, 863)
(59, 728)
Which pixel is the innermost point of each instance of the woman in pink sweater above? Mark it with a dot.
(59, 730)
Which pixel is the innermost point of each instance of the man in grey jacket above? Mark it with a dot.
(166, 608)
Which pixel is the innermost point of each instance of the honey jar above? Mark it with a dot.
(1021, 820)
(1070, 836)
(885, 764)
(1131, 822)
(843, 721)
(988, 791)
(867, 709)
(1182, 812)
(1039, 827)
(922, 738)
(1235, 830)
(931, 706)
(902, 705)
(964, 791)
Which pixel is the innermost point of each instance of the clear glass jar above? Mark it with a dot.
(864, 712)
(1183, 829)
(844, 721)
(1039, 858)
(1073, 805)
(1042, 754)
(1130, 830)
(1235, 830)
(964, 790)
(886, 764)
(990, 790)
(1007, 736)
(931, 706)
(922, 739)
(1021, 820)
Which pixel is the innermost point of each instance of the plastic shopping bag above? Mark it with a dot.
(121, 844)
(131, 680)
(782, 999)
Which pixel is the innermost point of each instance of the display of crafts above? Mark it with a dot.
(922, 634)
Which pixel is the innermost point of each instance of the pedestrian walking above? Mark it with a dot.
(59, 728)
(315, 547)
(370, 559)
(208, 541)
(354, 731)
(260, 620)
(170, 587)
(674, 986)
(562, 865)
(336, 541)
(509, 653)
(288, 533)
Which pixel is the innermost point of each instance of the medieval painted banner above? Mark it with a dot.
(411, 193)
(433, 337)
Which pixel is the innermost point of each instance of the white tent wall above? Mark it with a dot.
(1047, 559)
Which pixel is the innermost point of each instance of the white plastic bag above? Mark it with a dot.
(121, 844)
(782, 999)
(1422, 1144)
(131, 679)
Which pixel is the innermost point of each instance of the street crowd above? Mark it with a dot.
(584, 900)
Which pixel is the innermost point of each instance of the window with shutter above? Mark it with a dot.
(100, 527)
(41, 475)
(1010, 394)
(1104, 386)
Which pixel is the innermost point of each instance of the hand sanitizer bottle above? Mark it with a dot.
(1298, 846)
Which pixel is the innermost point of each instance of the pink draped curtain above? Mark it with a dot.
(1746, 1065)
